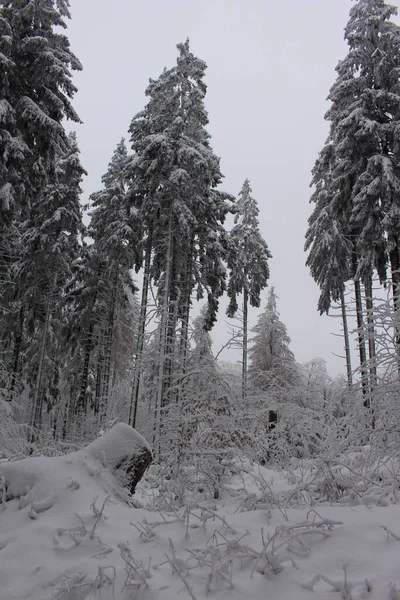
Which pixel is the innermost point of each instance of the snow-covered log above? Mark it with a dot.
(120, 454)
(124, 451)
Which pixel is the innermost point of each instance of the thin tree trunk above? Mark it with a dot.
(141, 334)
(244, 360)
(36, 412)
(371, 332)
(184, 337)
(183, 351)
(69, 410)
(160, 402)
(97, 393)
(395, 269)
(170, 337)
(81, 405)
(16, 354)
(361, 343)
(346, 339)
(105, 384)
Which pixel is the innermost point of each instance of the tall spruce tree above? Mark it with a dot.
(330, 248)
(173, 178)
(364, 168)
(51, 243)
(35, 94)
(248, 264)
(114, 229)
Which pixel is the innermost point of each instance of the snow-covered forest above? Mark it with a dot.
(121, 421)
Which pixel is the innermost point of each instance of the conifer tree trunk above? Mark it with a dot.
(170, 337)
(97, 392)
(395, 269)
(371, 331)
(16, 354)
(81, 405)
(346, 340)
(69, 411)
(184, 335)
(141, 333)
(36, 410)
(105, 383)
(361, 342)
(163, 343)
(244, 360)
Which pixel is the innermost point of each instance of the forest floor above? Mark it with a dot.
(251, 544)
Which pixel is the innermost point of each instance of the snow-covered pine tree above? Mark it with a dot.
(115, 231)
(364, 165)
(50, 240)
(272, 363)
(374, 55)
(173, 176)
(330, 248)
(364, 121)
(84, 312)
(248, 265)
(36, 89)
(35, 93)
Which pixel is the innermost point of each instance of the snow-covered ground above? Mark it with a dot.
(88, 543)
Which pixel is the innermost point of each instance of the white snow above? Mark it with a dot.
(75, 551)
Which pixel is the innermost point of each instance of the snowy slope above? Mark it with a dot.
(73, 551)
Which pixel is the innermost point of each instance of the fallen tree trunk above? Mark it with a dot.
(121, 454)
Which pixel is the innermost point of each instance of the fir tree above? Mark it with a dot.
(114, 229)
(330, 248)
(363, 187)
(173, 176)
(51, 243)
(248, 263)
(35, 94)
(272, 363)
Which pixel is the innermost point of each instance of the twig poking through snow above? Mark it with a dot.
(390, 533)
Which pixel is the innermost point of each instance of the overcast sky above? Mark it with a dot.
(270, 67)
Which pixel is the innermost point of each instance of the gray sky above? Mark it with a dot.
(270, 67)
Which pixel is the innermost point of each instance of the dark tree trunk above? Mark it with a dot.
(164, 324)
(395, 270)
(361, 343)
(97, 392)
(346, 340)
(81, 405)
(16, 354)
(141, 334)
(105, 383)
(37, 403)
(371, 331)
(244, 359)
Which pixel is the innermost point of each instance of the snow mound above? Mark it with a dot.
(120, 455)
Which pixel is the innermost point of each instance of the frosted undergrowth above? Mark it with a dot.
(272, 534)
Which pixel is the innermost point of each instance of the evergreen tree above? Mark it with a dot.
(114, 229)
(363, 150)
(173, 176)
(50, 239)
(248, 263)
(36, 89)
(35, 93)
(272, 363)
(330, 248)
